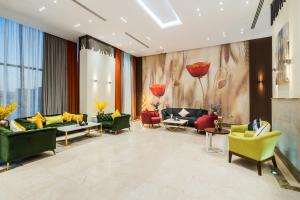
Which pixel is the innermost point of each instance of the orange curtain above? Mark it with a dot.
(73, 78)
(118, 80)
(134, 86)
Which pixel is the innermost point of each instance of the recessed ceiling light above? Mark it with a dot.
(207, 38)
(200, 15)
(113, 33)
(242, 31)
(224, 34)
(222, 9)
(41, 9)
(123, 19)
(221, 3)
(198, 9)
(54, 1)
(76, 25)
(90, 21)
(148, 38)
(157, 9)
(247, 2)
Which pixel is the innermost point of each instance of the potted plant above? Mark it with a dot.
(5, 111)
(101, 106)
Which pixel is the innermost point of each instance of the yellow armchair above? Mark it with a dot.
(258, 149)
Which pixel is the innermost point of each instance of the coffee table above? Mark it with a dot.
(209, 133)
(72, 128)
(172, 124)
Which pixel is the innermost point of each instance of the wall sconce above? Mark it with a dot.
(109, 82)
(95, 80)
(260, 81)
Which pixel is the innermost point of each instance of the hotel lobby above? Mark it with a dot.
(149, 99)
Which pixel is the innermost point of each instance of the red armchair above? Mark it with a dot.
(150, 117)
(205, 121)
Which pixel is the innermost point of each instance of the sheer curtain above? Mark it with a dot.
(20, 67)
(127, 84)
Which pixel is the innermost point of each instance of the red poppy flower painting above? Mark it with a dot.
(158, 90)
(198, 69)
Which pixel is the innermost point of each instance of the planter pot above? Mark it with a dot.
(4, 123)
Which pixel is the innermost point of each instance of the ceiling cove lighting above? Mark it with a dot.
(161, 11)
(76, 25)
(124, 20)
(41, 9)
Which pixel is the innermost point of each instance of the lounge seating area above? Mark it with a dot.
(149, 100)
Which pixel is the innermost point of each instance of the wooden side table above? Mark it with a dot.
(209, 133)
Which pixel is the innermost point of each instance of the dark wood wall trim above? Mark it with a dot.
(139, 88)
(295, 172)
(260, 73)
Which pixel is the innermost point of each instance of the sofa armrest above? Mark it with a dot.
(34, 131)
(239, 128)
(121, 122)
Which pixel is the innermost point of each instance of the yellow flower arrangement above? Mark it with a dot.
(5, 111)
(101, 106)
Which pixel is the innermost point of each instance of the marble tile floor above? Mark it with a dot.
(141, 164)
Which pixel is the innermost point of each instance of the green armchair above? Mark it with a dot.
(114, 125)
(242, 143)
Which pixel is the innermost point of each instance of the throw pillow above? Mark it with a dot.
(79, 117)
(37, 121)
(262, 130)
(40, 116)
(54, 120)
(16, 127)
(67, 116)
(254, 125)
(183, 112)
(116, 114)
(26, 124)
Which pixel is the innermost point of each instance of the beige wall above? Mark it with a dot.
(290, 13)
(286, 97)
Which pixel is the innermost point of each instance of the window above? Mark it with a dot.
(21, 51)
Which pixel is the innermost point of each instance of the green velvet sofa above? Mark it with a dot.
(24, 122)
(19, 145)
(114, 125)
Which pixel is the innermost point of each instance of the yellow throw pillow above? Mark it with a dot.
(37, 121)
(40, 116)
(67, 116)
(54, 119)
(116, 114)
(79, 117)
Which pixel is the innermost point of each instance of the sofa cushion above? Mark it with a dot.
(107, 124)
(78, 117)
(183, 112)
(36, 120)
(61, 124)
(54, 120)
(155, 120)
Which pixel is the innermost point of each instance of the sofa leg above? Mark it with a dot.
(54, 151)
(259, 167)
(274, 162)
(7, 166)
(229, 156)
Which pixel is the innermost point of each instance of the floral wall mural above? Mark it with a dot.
(200, 78)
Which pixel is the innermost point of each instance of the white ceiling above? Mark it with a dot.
(59, 19)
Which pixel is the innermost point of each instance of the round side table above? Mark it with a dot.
(209, 133)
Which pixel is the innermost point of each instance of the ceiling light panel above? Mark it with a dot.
(161, 11)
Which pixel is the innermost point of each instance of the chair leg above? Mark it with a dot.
(7, 166)
(259, 167)
(274, 162)
(229, 156)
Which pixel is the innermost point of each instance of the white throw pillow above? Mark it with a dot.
(262, 130)
(15, 126)
(183, 112)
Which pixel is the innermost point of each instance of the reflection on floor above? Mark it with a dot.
(141, 164)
